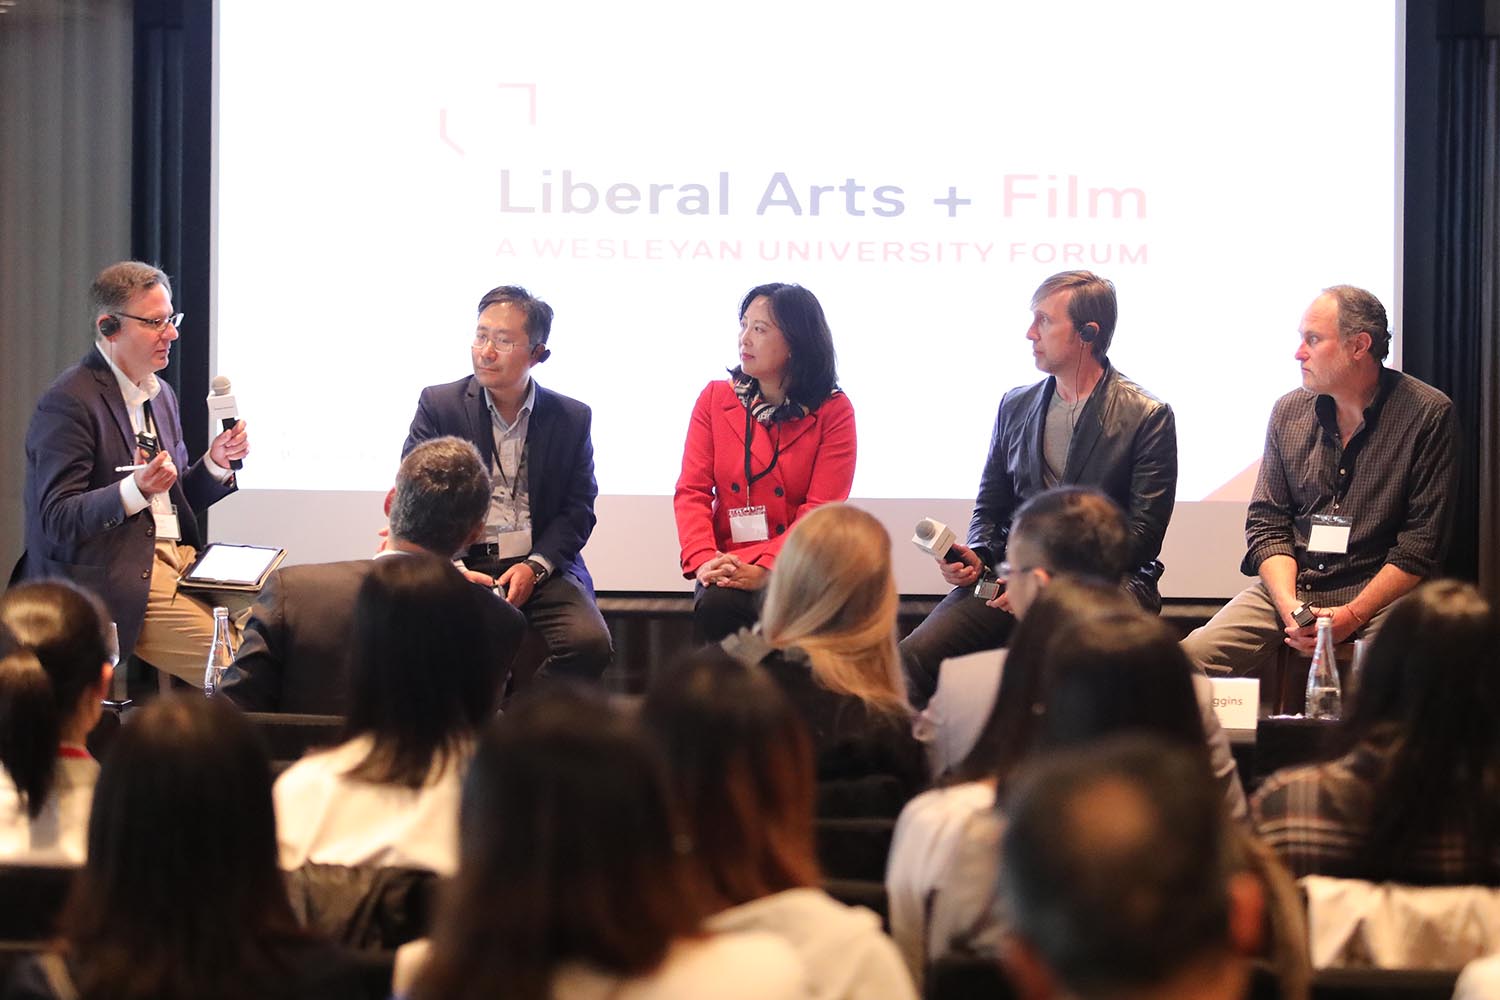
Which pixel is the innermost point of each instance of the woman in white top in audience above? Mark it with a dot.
(180, 898)
(55, 668)
(573, 882)
(941, 876)
(740, 759)
(424, 680)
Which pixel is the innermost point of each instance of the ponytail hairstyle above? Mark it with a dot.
(49, 663)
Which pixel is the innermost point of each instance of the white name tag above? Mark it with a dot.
(514, 544)
(1236, 701)
(748, 524)
(165, 516)
(1329, 535)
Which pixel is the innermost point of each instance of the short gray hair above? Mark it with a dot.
(1361, 312)
(442, 495)
(117, 284)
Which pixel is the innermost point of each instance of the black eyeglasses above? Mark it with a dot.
(156, 324)
(1005, 570)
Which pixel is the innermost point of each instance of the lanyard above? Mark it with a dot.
(751, 480)
(147, 439)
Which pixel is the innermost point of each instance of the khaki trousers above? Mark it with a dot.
(179, 627)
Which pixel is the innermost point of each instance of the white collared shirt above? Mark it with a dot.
(135, 396)
(510, 501)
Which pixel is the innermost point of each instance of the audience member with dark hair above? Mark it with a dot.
(55, 667)
(1108, 667)
(1414, 795)
(828, 636)
(180, 898)
(1070, 531)
(574, 880)
(741, 763)
(1121, 671)
(1118, 874)
(764, 447)
(424, 684)
(295, 657)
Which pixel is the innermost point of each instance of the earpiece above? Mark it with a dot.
(1088, 333)
(109, 326)
(542, 353)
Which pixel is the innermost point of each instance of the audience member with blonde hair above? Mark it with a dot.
(827, 634)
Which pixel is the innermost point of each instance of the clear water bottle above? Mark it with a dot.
(1325, 700)
(220, 654)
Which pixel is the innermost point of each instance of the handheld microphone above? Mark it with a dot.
(222, 407)
(936, 539)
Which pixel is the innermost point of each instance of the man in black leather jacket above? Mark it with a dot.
(1085, 424)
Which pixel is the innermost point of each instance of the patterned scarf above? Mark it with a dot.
(748, 389)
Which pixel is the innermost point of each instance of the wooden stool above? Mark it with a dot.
(1288, 682)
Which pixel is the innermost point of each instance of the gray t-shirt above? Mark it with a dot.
(1057, 434)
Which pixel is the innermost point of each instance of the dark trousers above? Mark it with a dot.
(723, 611)
(578, 642)
(961, 623)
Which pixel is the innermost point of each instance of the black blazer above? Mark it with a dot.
(76, 526)
(1125, 444)
(294, 656)
(559, 462)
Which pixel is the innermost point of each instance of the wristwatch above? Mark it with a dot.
(538, 569)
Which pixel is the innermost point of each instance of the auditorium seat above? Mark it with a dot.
(366, 907)
(1383, 984)
(861, 892)
(31, 898)
(854, 848)
(966, 979)
(290, 735)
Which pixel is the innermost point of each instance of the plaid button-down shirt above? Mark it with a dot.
(1316, 819)
(1394, 480)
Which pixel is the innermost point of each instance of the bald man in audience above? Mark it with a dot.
(1116, 871)
(293, 658)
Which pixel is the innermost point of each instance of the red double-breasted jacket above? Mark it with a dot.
(814, 465)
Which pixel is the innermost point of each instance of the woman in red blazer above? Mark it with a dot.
(765, 446)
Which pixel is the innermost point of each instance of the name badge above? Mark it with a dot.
(514, 544)
(748, 524)
(164, 513)
(1329, 533)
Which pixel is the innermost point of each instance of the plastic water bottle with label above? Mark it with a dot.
(1325, 699)
(220, 654)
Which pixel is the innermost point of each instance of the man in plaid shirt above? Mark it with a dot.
(1352, 507)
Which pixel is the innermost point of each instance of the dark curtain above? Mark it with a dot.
(171, 177)
(1457, 353)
